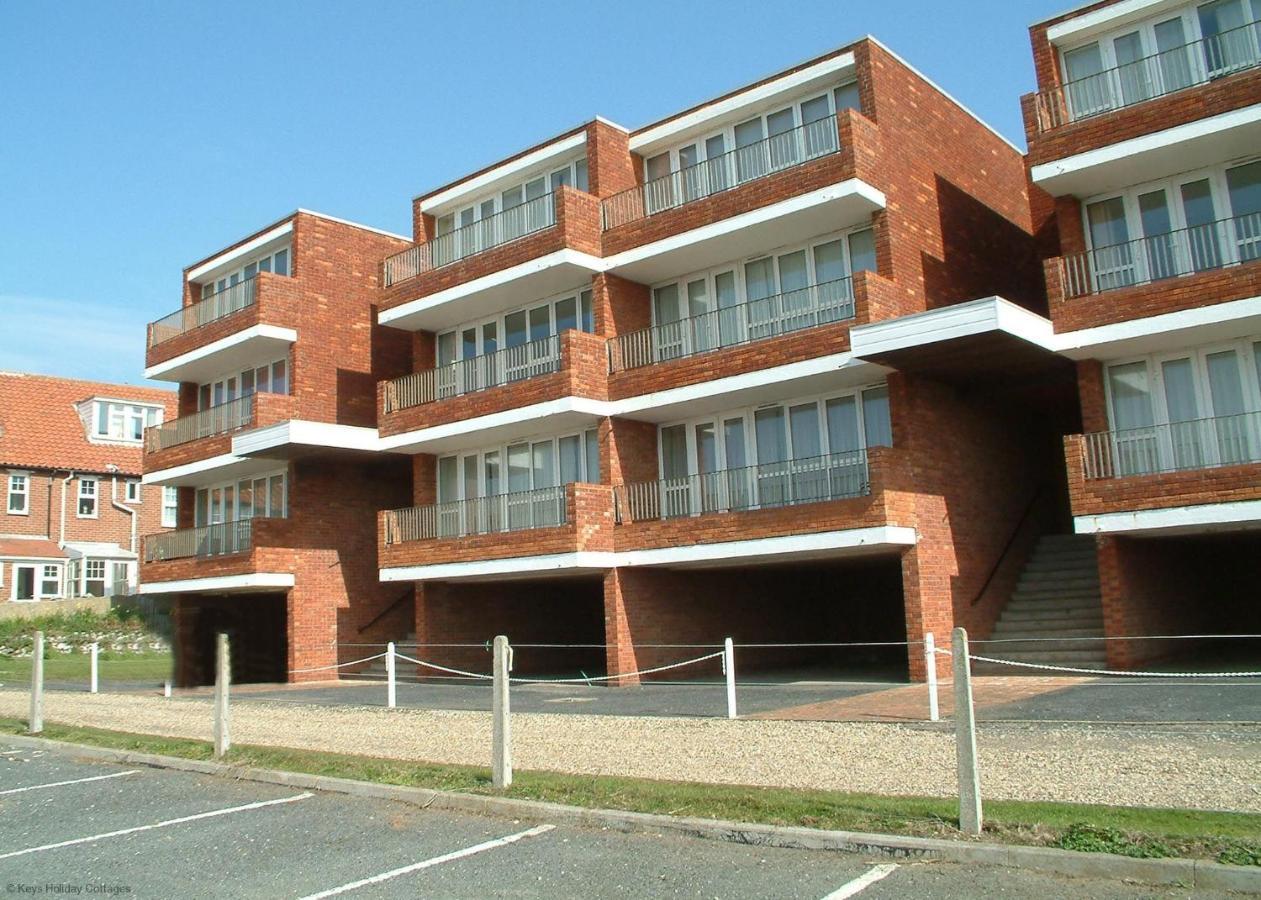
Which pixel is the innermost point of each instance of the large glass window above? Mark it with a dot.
(121, 421)
(275, 261)
(259, 496)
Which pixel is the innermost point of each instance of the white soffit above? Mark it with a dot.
(225, 260)
(1087, 25)
(503, 175)
(549, 417)
(249, 346)
(988, 314)
(203, 472)
(226, 584)
(709, 116)
(1207, 518)
(305, 433)
(1193, 145)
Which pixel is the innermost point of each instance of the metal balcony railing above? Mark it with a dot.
(516, 511)
(492, 231)
(474, 374)
(1216, 245)
(724, 172)
(216, 420)
(753, 320)
(769, 485)
(204, 542)
(1173, 447)
(1194, 63)
(216, 306)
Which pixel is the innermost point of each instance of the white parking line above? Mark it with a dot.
(53, 784)
(862, 882)
(179, 821)
(437, 860)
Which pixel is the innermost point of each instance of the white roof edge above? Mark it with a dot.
(935, 86)
(1087, 21)
(535, 157)
(224, 257)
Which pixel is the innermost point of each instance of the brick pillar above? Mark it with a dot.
(184, 638)
(619, 646)
(312, 633)
(928, 605)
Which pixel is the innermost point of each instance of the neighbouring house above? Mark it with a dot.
(73, 505)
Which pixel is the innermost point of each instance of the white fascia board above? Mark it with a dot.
(255, 581)
(254, 332)
(100, 548)
(40, 559)
(1160, 140)
(646, 139)
(237, 253)
(564, 257)
(1185, 519)
(415, 441)
(821, 542)
(307, 433)
(491, 178)
(381, 231)
(1105, 19)
(491, 568)
(1235, 318)
(175, 473)
(852, 187)
(987, 314)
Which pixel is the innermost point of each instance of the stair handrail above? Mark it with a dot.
(406, 595)
(1011, 540)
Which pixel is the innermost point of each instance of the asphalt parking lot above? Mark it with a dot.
(77, 827)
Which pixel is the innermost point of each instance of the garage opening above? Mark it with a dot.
(256, 626)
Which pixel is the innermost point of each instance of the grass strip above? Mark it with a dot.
(1227, 837)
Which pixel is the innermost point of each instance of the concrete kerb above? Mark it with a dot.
(1190, 873)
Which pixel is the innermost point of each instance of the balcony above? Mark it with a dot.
(1169, 272)
(788, 187)
(251, 320)
(546, 245)
(245, 555)
(1114, 476)
(454, 539)
(743, 323)
(207, 433)
(533, 380)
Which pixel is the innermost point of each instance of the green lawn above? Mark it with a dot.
(1228, 837)
(114, 666)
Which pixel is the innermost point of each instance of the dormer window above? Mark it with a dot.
(115, 420)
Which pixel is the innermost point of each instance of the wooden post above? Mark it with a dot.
(729, 668)
(36, 723)
(223, 682)
(95, 682)
(965, 737)
(930, 660)
(390, 694)
(501, 729)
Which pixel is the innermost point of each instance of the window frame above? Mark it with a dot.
(171, 521)
(453, 220)
(124, 413)
(24, 493)
(133, 491)
(499, 321)
(94, 495)
(234, 485)
(236, 275)
(217, 388)
(583, 436)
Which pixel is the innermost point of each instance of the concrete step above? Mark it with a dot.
(1036, 596)
(1070, 617)
(1058, 579)
(1047, 629)
(1039, 646)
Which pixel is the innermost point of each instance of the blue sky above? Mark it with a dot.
(136, 138)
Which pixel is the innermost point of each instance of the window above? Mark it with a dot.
(270, 378)
(132, 490)
(94, 578)
(19, 494)
(120, 421)
(275, 261)
(87, 498)
(249, 498)
(50, 582)
(170, 506)
(513, 329)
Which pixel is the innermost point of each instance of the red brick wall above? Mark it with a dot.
(269, 409)
(45, 505)
(610, 167)
(628, 451)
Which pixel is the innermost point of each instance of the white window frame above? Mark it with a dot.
(170, 506)
(238, 274)
(94, 494)
(57, 577)
(124, 414)
(228, 387)
(575, 170)
(581, 297)
(88, 565)
(587, 434)
(234, 515)
(35, 573)
(132, 491)
(24, 493)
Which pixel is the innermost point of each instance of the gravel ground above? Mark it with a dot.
(1135, 766)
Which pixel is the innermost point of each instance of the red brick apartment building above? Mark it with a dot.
(779, 367)
(74, 509)
(1145, 134)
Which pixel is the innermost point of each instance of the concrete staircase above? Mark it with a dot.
(1057, 597)
(376, 669)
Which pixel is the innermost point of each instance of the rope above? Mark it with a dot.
(1025, 665)
(339, 665)
(421, 662)
(619, 675)
(1139, 637)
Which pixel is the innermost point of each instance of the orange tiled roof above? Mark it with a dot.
(26, 548)
(40, 426)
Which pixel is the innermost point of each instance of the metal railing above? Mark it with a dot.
(1173, 447)
(753, 320)
(474, 374)
(765, 486)
(209, 540)
(1190, 64)
(1202, 248)
(444, 249)
(517, 511)
(723, 172)
(219, 304)
(216, 420)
